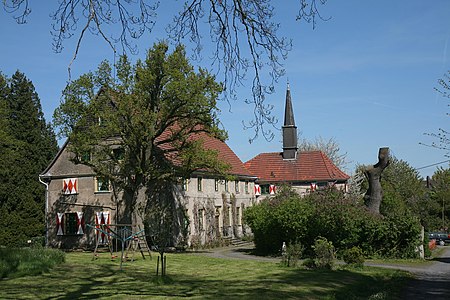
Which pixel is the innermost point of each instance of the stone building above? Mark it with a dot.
(77, 200)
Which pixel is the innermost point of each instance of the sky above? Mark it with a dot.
(364, 77)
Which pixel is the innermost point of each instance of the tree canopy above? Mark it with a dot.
(144, 127)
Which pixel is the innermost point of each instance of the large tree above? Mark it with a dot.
(437, 215)
(243, 34)
(27, 144)
(144, 127)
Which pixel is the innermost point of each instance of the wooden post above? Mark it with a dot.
(165, 261)
(157, 267)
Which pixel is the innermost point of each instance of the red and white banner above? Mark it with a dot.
(70, 186)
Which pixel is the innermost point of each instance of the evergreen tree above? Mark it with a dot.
(27, 146)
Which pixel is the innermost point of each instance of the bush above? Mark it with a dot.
(309, 263)
(353, 256)
(293, 254)
(28, 261)
(324, 253)
(341, 219)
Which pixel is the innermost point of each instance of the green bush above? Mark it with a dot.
(324, 253)
(17, 262)
(309, 263)
(353, 256)
(341, 219)
(293, 254)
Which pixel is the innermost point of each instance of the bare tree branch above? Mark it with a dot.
(244, 35)
(18, 8)
(442, 137)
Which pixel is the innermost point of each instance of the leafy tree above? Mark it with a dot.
(401, 184)
(330, 147)
(144, 130)
(27, 145)
(243, 34)
(438, 215)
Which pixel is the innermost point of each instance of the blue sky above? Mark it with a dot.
(365, 77)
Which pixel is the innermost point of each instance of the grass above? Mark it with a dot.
(28, 261)
(200, 277)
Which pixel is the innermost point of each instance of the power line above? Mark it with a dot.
(432, 165)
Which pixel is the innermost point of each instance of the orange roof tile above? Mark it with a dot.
(309, 166)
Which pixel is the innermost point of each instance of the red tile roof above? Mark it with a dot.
(309, 166)
(225, 154)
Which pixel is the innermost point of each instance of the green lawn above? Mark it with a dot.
(200, 277)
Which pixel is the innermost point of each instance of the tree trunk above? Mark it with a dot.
(374, 194)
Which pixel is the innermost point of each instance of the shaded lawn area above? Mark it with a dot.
(200, 277)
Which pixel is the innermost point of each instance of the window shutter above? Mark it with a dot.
(257, 190)
(272, 189)
(60, 224)
(80, 222)
(70, 186)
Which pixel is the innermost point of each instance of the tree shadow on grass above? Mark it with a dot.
(105, 280)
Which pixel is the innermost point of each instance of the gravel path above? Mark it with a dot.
(432, 281)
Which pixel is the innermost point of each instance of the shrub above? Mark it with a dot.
(293, 254)
(324, 253)
(353, 256)
(309, 263)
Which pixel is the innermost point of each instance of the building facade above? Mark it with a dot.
(77, 201)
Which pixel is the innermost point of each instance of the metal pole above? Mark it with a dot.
(46, 210)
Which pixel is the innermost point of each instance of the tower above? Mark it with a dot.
(289, 129)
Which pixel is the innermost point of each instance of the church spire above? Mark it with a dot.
(289, 129)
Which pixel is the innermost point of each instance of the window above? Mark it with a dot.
(246, 187)
(85, 156)
(264, 189)
(102, 184)
(185, 185)
(200, 219)
(118, 153)
(236, 186)
(200, 184)
(216, 185)
(70, 223)
(226, 185)
(238, 216)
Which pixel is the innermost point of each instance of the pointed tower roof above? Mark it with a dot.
(289, 129)
(288, 111)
